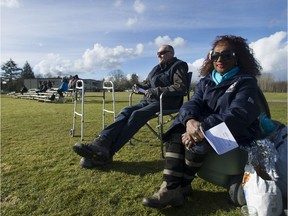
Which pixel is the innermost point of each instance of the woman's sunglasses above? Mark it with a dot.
(224, 55)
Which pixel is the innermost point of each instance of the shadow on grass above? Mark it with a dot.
(202, 203)
(140, 168)
(96, 100)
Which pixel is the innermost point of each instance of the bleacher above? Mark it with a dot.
(44, 96)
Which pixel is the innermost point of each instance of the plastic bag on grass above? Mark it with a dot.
(264, 195)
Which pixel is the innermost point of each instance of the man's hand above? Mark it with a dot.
(135, 88)
(149, 93)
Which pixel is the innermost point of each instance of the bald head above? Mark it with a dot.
(165, 53)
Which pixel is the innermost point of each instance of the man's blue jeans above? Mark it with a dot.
(128, 122)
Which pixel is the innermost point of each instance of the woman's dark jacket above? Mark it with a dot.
(169, 78)
(233, 101)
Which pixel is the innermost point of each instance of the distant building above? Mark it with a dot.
(93, 85)
(90, 84)
(35, 83)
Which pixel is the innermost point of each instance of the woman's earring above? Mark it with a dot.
(210, 54)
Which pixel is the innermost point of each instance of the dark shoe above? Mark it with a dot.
(99, 149)
(186, 190)
(165, 197)
(91, 163)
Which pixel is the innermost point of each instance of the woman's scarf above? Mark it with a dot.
(218, 78)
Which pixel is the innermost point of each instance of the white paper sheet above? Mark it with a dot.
(220, 138)
(141, 90)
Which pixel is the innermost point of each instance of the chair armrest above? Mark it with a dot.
(161, 104)
(130, 98)
(163, 111)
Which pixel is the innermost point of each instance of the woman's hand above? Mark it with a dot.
(193, 133)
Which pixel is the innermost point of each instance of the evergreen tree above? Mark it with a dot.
(9, 75)
(134, 79)
(27, 72)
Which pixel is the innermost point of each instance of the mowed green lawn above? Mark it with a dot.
(40, 174)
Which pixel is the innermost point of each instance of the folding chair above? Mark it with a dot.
(172, 113)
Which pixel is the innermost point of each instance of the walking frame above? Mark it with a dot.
(80, 90)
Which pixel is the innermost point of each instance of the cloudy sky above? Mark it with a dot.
(93, 37)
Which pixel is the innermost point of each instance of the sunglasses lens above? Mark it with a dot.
(215, 56)
(162, 52)
(224, 55)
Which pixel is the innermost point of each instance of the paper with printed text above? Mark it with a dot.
(220, 138)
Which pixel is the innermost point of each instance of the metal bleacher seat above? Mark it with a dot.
(172, 113)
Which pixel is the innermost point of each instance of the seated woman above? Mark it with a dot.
(63, 87)
(226, 93)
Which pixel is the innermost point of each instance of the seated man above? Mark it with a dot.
(169, 76)
(23, 90)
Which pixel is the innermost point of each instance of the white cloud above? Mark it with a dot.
(139, 7)
(194, 67)
(10, 3)
(139, 49)
(106, 58)
(98, 58)
(176, 42)
(271, 52)
(53, 64)
(118, 3)
(131, 21)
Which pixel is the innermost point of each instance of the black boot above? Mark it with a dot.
(186, 190)
(91, 163)
(98, 150)
(165, 197)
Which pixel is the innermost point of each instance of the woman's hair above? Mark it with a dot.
(244, 55)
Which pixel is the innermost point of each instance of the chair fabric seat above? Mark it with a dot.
(167, 112)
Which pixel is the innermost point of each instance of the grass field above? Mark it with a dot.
(40, 174)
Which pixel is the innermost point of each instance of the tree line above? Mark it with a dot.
(12, 79)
